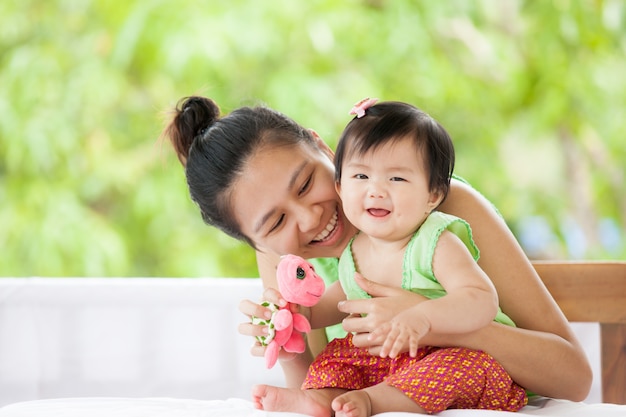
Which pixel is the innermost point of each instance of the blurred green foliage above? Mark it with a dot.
(532, 92)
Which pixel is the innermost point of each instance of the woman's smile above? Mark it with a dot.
(328, 230)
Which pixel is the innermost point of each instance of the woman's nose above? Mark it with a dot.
(309, 217)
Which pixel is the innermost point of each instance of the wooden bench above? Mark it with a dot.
(595, 292)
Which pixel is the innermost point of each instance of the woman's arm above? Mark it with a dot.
(325, 312)
(541, 362)
(543, 354)
(294, 366)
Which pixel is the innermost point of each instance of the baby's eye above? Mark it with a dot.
(360, 176)
(397, 179)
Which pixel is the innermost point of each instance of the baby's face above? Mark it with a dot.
(385, 191)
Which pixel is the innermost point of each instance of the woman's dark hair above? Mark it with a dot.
(389, 121)
(214, 151)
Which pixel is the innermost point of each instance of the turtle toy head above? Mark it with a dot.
(297, 281)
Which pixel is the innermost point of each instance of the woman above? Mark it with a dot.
(260, 177)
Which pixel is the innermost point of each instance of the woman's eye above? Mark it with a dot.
(360, 176)
(278, 223)
(306, 185)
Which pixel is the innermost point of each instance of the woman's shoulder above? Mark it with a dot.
(466, 201)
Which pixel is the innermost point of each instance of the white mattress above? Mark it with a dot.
(168, 407)
(130, 347)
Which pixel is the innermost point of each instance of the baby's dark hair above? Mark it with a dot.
(214, 151)
(390, 121)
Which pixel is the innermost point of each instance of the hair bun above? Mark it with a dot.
(193, 116)
(199, 113)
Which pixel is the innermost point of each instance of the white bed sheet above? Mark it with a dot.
(168, 407)
(129, 347)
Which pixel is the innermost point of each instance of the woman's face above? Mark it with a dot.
(285, 201)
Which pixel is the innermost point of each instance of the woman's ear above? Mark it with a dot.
(322, 145)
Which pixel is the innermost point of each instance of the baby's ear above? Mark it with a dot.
(338, 187)
(436, 197)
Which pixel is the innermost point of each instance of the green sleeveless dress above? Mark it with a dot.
(417, 270)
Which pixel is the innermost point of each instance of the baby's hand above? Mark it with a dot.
(404, 329)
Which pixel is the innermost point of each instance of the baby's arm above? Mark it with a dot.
(470, 303)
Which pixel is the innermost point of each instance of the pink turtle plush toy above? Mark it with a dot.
(298, 284)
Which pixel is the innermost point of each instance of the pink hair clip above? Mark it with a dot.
(360, 107)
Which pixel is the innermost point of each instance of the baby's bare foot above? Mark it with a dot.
(353, 404)
(309, 402)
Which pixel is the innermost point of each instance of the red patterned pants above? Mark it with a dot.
(436, 379)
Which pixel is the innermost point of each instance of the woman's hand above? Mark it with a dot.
(250, 309)
(386, 303)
